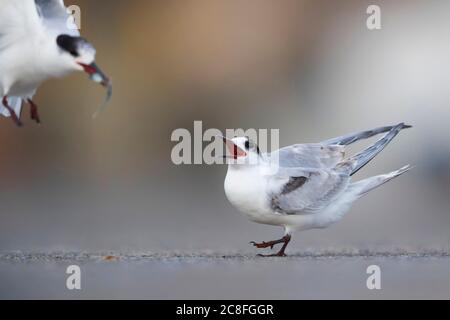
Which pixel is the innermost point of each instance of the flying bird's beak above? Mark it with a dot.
(98, 76)
(233, 149)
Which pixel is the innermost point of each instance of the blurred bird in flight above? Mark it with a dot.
(304, 186)
(38, 42)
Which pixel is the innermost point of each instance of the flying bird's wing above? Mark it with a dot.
(21, 19)
(306, 191)
(55, 17)
(309, 156)
(18, 19)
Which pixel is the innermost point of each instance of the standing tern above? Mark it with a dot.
(37, 43)
(304, 186)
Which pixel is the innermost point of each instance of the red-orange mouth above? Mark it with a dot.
(234, 150)
(89, 69)
(96, 74)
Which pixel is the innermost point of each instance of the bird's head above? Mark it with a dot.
(242, 151)
(79, 55)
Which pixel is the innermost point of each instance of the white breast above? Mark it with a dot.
(246, 190)
(26, 64)
(18, 69)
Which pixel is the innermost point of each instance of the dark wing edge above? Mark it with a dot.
(307, 195)
(355, 137)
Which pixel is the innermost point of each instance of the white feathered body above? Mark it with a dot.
(310, 185)
(249, 190)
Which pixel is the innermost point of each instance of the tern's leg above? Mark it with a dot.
(11, 111)
(285, 241)
(34, 111)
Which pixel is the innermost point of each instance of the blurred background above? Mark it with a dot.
(309, 68)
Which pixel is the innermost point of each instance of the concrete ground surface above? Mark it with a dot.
(211, 275)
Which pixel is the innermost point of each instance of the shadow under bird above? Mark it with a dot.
(39, 42)
(304, 186)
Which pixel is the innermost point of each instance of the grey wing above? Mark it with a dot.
(357, 136)
(360, 160)
(309, 156)
(56, 18)
(307, 193)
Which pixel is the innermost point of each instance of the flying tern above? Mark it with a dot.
(39, 42)
(304, 186)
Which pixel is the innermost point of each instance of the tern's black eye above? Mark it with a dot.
(247, 145)
(68, 44)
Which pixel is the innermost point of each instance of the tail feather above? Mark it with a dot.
(355, 137)
(360, 160)
(361, 188)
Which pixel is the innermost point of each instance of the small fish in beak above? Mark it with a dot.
(97, 75)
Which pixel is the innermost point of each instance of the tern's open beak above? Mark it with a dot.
(97, 75)
(233, 149)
